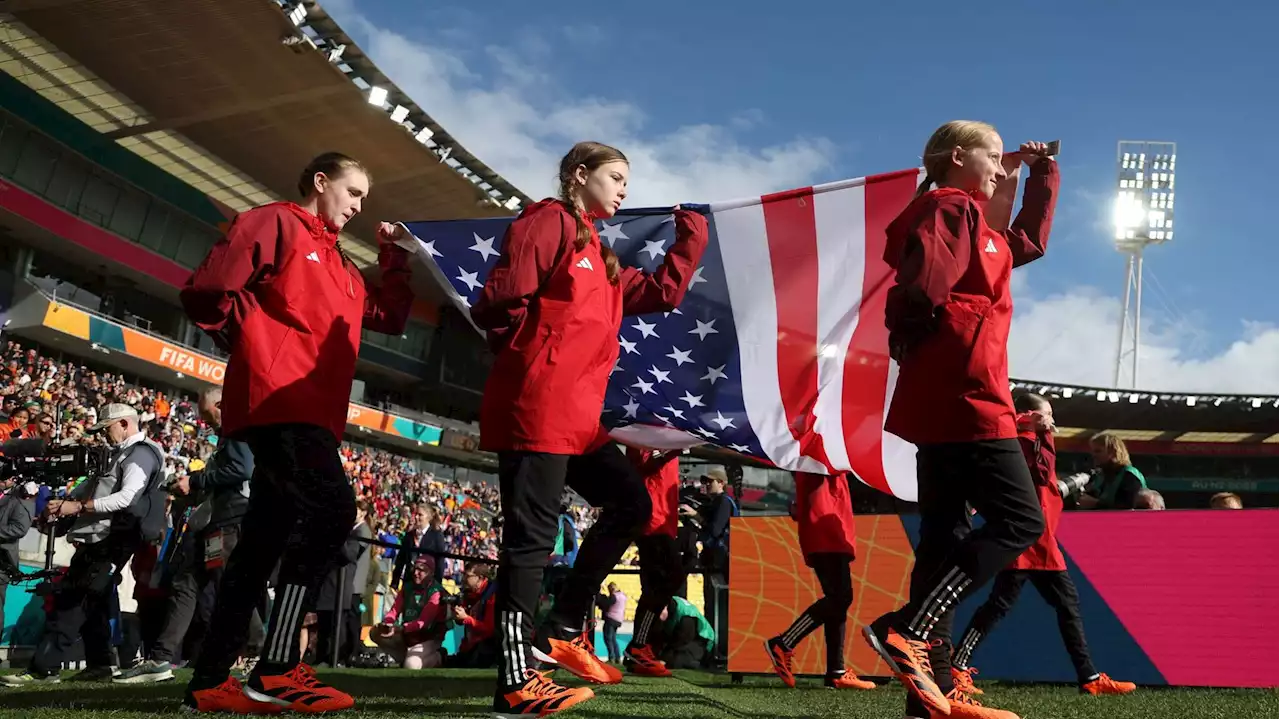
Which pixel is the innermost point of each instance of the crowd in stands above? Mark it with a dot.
(58, 401)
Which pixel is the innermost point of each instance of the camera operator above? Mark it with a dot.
(17, 506)
(113, 514)
(221, 490)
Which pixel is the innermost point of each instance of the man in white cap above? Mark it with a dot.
(115, 512)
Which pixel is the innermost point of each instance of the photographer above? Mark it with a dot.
(113, 514)
(221, 490)
(479, 646)
(413, 629)
(17, 506)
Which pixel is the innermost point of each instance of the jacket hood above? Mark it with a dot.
(900, 228)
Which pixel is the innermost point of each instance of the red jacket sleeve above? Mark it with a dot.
(217, 296)
(663, 290)
(1028, 236)
(934, 257)
(647, 462)
(480, 630)
(529, 254)
(387, 307)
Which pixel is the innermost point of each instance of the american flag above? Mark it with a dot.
(779, 349)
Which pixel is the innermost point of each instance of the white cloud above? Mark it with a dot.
(1071, 338)
(519, 120)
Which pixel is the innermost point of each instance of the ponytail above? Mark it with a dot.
(924, 185)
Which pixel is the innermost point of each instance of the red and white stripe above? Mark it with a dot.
(807, 284)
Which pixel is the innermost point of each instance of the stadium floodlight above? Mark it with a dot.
(399, 114)
(424, 134)
(377, 96)
(336, 53)
(512, 203)
(298, 14)
(1143, 216)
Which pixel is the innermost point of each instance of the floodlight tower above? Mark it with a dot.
(1143, 217)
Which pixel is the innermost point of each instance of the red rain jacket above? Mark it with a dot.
(661, 472)
(1042, 459)
(552, 319)
(823, 511)
(280, 297)
(950, 308)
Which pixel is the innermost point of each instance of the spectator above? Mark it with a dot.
(1226, 500)
(1120, 482)
(1149, 499)
(479, 647)
(412, 631)
(613, 609)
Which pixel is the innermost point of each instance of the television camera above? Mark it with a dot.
(37, 461)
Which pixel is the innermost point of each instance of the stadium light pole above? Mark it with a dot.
(1143, 217)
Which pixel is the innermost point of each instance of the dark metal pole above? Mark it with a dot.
(337, 615)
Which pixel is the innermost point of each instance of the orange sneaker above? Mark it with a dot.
(229, 697)
(908, 659)
(573, 653)
(781, 658)
(1103, 684)
(963, 679)
(537, 697)
(297, 690)
(641, 661)
(964, 706)
(848, 680)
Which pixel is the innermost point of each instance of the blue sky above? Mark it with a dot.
(719, 100)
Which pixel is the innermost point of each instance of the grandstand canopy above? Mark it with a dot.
(1161, 416)
(235, 97)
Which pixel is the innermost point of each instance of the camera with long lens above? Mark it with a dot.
(35, 460)
(1074, 483)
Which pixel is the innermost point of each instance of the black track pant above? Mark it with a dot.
(301, 509)
(532, 484)
(661, 573)
(1058, 591)
(830, 612)
(952, 559)
(82, 605)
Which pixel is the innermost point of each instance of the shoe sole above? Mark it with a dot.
(518, 715)
(15, 685)
(164, 676)
(267, 699)
(869, 635)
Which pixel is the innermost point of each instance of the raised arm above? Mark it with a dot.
(387, 307)
(217, 295)
(1028, 236)
(663, 290)
(529, 253)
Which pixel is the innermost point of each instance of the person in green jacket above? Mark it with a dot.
(1118, 482)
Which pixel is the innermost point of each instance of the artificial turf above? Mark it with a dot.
(689, 695)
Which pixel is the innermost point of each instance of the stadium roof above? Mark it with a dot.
(1139, 415)
(235, 96)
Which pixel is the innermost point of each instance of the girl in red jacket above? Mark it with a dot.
(1042, 564)
(948, 315)
(823, 509)
(661, 568)
(552, 307)
(279, 294)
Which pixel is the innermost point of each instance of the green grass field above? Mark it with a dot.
(690, 695)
